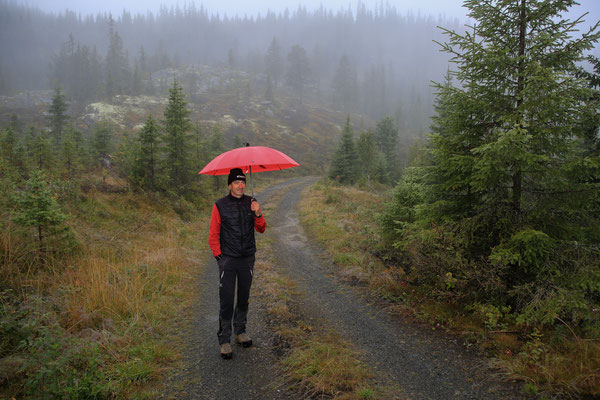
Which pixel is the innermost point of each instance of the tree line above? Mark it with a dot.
(499, 208)
(376, 61)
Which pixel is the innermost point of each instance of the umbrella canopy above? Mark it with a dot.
(249, 159)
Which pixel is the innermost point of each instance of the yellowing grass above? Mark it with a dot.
(124, 287)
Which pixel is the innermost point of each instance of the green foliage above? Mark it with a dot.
(401, 211)
(58, 114)
(386, 138)
(528, 249)
(55, 365)
(36, 207)
(504, 211)
(345, 163)
(145, 168)
(177, 141)
(493, 317)
(102, 142)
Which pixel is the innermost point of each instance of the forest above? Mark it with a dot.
(481, 143)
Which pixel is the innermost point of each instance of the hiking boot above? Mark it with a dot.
(243, 339)
(226, 352)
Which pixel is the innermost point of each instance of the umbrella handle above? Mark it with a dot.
(251, 182)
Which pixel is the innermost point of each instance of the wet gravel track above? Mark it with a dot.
(419, 363)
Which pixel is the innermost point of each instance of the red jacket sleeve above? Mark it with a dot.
(260, 224)
(214, 232)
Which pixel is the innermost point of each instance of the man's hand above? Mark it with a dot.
(255, 207)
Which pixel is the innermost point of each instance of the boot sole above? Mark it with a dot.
(226, 356)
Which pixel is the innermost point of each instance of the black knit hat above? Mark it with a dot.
(236, 174)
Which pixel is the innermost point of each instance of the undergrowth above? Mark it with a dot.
(94, 324)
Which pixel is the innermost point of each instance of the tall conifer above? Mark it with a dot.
(177, 126)
(345, 163)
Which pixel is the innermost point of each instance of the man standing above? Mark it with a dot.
(231, 239)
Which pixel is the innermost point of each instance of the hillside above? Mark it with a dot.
(231, 100)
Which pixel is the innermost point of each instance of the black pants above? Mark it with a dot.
(230, 270)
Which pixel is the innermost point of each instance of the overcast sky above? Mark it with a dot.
(449, 8)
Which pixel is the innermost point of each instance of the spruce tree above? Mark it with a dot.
(299, 71)
(367, 154)
(58, 115)
(508, 172)
(345, 84)
(102, 144)
(386, 138)
(146, 162)
(176, 137)
(345, 163)
(274, 61)
(512, 119)
(36, 207)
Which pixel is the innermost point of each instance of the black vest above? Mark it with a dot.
(237, 226)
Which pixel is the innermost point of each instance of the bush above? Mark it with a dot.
(56, 365)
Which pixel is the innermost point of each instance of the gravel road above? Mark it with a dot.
(421, 364)
(417, 363)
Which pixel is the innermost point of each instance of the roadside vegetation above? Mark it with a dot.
(95, 259)
(492, 229)
(93, 321)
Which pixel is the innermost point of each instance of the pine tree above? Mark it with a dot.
(146, 163)
(58, 115)
(37, 208)
(274, 61)
(176, 137)
(345, 84)
(367, 153)
(386, 138)
(102, 144)
(299, 72)
(508, 173)
(345, 163)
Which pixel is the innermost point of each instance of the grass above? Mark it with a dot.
(553, 360)
(108, 308)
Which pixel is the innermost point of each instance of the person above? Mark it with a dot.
(233, 221)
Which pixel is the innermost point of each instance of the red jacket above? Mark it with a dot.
(214, 232)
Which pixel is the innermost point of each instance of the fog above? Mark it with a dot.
(370, 57)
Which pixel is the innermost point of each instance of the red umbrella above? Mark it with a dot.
(249, 159)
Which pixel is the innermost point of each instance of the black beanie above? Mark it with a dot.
(236, 174)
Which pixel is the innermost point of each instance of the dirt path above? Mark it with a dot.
(416, 363)
(419, 363)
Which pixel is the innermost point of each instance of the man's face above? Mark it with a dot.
(237, 188)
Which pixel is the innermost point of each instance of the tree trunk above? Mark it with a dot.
(517, 174)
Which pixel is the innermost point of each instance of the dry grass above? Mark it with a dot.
(124, 287)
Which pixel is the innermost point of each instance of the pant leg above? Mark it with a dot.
(227, 278)
(245, 271)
